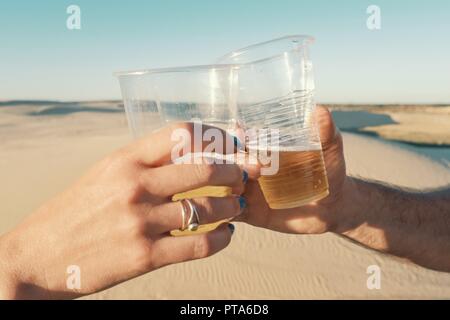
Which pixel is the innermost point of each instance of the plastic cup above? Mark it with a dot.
(273, 91)
(158, 97)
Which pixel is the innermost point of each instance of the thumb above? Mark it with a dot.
(328, 131)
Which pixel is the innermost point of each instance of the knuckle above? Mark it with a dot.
(143, 255)
(132, 193)
(112, 159)
(137, 224)
(131, 189)
(202, 247)
(236, 173)
(206, 205)
(146, 180)
(234, 204)
(187, 126)
(149, 183)
(207, 172)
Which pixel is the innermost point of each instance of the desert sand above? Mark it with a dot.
(43, 150)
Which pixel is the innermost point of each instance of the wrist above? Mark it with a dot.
(363, 214)
(9, 282)
(16, 278)
(350, 210)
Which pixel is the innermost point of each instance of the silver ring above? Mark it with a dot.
(183, 216)
(194, 220)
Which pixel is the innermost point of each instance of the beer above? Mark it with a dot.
(301, 178)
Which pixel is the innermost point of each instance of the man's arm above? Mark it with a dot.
(411, 225)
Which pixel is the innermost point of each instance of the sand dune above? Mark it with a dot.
(40, 155)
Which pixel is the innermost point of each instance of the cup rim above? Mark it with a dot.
(190, 68)
(305, 40)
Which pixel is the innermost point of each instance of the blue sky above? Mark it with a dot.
(407, 61)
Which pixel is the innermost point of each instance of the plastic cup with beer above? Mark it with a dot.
(274, 93)
(200, 94)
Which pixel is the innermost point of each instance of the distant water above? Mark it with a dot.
(352, 121)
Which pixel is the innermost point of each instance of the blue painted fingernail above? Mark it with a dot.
(244, 176)
(231, 227)
(237, 143)
(242, 203)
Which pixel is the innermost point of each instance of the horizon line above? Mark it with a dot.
(6, 101)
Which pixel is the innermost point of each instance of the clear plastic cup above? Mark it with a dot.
(153, 98)
(158, 97)
(273, 89)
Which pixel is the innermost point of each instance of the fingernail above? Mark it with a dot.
(237, 143)
(242, 203)
(231, 227)
(244, 176)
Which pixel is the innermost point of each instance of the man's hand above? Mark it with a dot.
(318, 217)
(412, 225)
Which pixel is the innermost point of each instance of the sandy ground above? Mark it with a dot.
(42, 154)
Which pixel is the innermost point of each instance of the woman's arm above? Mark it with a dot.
(113, 224)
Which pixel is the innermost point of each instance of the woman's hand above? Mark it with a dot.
(113, 223)
(318, 217)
